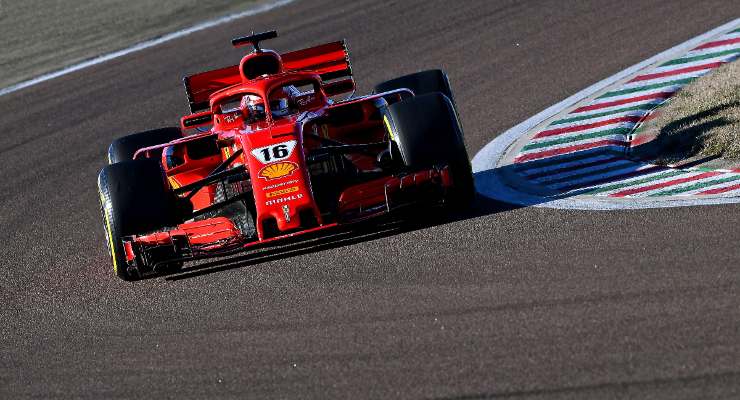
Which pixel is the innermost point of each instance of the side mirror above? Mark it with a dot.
(196, 120)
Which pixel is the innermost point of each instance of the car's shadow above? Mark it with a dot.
(383, 227)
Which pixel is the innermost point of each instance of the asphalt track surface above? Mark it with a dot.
(500, 303)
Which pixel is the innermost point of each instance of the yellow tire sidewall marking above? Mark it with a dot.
(108, 232)
(388, 127)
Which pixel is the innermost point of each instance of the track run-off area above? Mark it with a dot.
(506, 301)
(582, 152)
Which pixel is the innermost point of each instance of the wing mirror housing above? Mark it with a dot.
(196, 120)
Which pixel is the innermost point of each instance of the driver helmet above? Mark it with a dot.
(280, 105)
(253, 107)
(282, 100)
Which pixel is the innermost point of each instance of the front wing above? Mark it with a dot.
(216, 237)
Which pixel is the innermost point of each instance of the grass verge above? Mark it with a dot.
(701, 122)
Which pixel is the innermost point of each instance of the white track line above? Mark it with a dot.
(712, 50)
(675, 186)
(716, 186)
(597, 111)
(491, 184)
(732, 192)
(619, 137)
(569, 135)
(632, 113)
(695, 74)
(697, 63)
(628, 96)
(143, 45)
(643, 90)
(640, 84)
(729, 36)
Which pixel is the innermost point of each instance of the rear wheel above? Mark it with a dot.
(424, 82)
(124, 148)
(427, 133)
(134, 199)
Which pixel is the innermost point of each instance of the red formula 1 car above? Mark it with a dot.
(269, 153)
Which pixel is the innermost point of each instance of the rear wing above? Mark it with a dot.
(199, 87)
(330, 61)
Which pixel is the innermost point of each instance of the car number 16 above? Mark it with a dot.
(275, 152)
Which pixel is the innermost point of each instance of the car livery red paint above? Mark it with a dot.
(269, 152)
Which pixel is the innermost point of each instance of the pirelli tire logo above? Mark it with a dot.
(281, 192)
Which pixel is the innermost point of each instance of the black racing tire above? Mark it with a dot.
(424, 82)
(134, 199)
(427, 133)
(124, 148)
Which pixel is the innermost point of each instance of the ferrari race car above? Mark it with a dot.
(269, 153)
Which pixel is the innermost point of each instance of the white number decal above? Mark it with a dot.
(275, 152)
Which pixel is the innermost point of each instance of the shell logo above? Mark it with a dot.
(277, 170)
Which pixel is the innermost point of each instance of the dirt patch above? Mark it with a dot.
(40, 36)
(700, 124)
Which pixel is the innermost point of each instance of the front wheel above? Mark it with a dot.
(124, 148)
(427, 133)
(133, 199)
